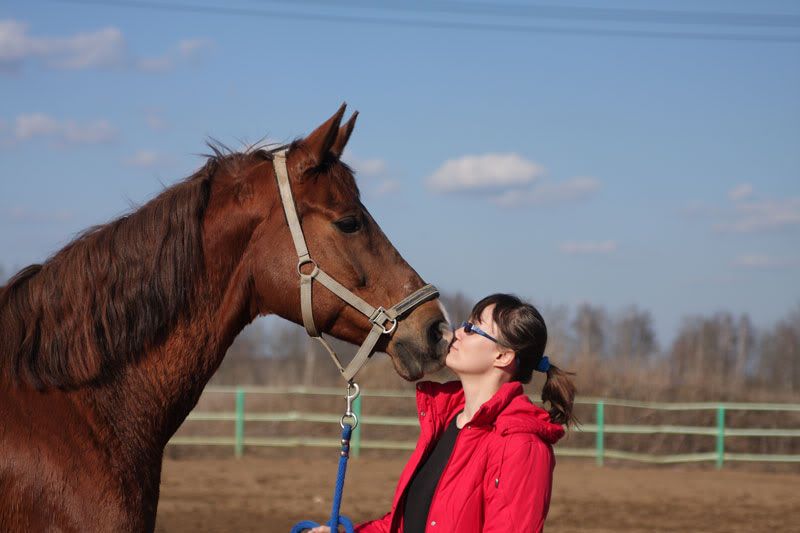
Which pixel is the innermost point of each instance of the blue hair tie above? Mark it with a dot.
(544, 365)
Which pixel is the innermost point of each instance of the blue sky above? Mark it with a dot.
(565, 167)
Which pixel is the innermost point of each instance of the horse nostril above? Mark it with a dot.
(438, 330)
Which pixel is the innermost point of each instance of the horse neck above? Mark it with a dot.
(160, 389)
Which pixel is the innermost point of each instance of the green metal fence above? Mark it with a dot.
(241, 418)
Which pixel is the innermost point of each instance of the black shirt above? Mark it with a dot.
(423, 484)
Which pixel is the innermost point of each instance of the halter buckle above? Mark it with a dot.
(380, 317)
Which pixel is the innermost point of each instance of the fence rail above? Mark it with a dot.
(238, 441)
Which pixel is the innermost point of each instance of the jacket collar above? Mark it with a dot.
(509, 410)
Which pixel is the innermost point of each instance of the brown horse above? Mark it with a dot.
(106, 347)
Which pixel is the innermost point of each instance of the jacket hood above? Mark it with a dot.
(508, 411)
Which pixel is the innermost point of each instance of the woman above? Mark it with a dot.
(484, 460)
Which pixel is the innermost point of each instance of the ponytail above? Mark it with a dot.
(559, 392)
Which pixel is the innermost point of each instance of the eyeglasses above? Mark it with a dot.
(470, 328)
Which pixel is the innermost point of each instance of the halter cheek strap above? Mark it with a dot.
(384, 321)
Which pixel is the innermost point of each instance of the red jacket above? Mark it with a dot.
(500, 472)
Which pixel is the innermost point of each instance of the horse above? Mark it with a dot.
(106, 347)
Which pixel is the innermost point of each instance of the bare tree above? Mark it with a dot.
(247, 360)
(745, 345)
(590, 325)
(712, 352)
(559, 338)
(634, 338)
(720, 339)
(252, 341)
(779, 366)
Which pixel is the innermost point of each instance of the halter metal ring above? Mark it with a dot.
(306, 261)
(391, 329)
(346, 416)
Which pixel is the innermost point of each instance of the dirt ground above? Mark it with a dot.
(270, 494)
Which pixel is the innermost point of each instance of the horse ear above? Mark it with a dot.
(318, 144)
(344, 136)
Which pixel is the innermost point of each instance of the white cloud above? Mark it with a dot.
(385, 187)
(155, 121)
(147, 159)
(375, 170)
(185, 50)
(587, 247)
(741, 192)
(747, 212)
(193, 47)
(33, 125)
(14, 45)
(103, 48)
(96, 132)
(764, 261)
(573, 189)
(484, 172)
(97, 49)
(370, 168)
(762, 215)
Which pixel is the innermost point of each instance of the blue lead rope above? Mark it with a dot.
(336, 519)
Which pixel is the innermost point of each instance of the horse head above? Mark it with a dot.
(343, 239)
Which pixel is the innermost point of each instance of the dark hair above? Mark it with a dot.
(522, 328)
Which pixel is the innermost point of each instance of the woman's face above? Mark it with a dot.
(472, 353)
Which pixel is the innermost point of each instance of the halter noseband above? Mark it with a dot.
(379, 317)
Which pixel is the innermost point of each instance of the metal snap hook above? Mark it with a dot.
(350, 398)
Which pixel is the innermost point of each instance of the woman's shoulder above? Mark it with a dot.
(523, 421)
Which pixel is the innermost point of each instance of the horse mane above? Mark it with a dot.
(110, 294)
(117, 289)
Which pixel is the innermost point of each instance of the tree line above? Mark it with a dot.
(717, 356)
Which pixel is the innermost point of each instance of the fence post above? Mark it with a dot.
(600, 442)
(720, 435)
(355, 438)
(239, 438)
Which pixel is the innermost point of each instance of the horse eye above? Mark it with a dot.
(348, 224)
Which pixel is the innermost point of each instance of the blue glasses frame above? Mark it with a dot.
(470, 328)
